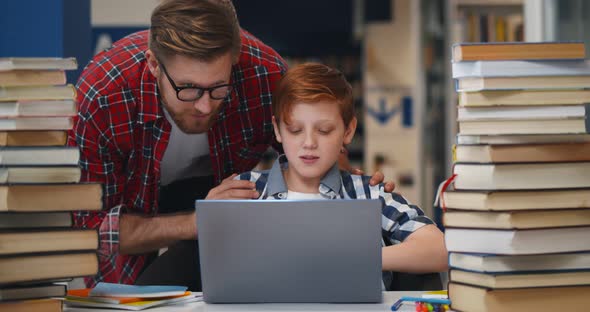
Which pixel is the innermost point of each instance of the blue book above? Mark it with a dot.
(122, 290)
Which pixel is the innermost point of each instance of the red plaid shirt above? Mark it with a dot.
(122, 134)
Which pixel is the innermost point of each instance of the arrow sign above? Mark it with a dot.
(382, 115)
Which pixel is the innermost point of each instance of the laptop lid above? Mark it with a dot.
(290, 251)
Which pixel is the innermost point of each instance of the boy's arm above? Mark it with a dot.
(422, 252)
(418, 245)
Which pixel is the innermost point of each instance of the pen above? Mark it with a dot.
(398, 303)
(427, 300)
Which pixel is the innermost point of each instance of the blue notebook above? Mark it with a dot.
(122, 290)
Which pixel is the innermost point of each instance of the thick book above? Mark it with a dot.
(531, 219)
(31, 63)
(35, 220)
(65, 92)
(520, 280)
(54, 240)
(518, 68)
(518, 51)
(466, 139)
(479, 299)
(486, 263)
(16, 78)
(522, 176)
(47, 267)
(36, 123)
(523, 153)
(501, 113)
(473, 84)
(524, 97)
(518, 242)
(38, 305)
(36, 291)
(40, 174)
(517, 200)
(33, 138)
(514, 127)
(44, 155)
(39, 108)
(50, 197)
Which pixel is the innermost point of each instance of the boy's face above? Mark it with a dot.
(313, 139)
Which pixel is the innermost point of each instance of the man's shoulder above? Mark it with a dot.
(256, 54)
(116, 68)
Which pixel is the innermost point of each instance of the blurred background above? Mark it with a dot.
(395, 53)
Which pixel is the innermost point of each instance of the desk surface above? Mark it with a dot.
(388, 299)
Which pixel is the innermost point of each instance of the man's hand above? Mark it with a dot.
(377, 178)
(234, 189)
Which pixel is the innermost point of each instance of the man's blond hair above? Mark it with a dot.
(200, 29)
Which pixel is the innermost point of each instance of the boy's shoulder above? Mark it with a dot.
(357, 178)
(260, 178)
(253, 176)
(356, 183)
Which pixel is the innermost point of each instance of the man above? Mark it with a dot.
(164, 116)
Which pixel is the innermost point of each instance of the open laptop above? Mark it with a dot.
(254, 251)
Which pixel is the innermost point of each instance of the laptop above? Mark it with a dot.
(290, 251)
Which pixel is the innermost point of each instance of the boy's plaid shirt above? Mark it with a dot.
(122, 135)
(399, 217)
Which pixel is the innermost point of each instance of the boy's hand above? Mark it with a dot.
(234, 189)
(377, 178)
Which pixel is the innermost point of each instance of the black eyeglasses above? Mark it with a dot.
(191, 93)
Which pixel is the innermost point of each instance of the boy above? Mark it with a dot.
(313, 119)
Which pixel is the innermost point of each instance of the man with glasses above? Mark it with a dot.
(168, 116)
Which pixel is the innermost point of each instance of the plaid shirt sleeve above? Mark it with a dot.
(399, 217)
(100, 161)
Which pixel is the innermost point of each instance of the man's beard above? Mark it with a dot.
(191, 128)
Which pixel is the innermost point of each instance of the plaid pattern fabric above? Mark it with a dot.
(122, 134)
(399, 217)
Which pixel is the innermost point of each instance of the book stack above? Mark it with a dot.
(130, 297)
(39, 187)
(518, 220)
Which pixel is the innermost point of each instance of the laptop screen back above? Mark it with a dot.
(290, 251)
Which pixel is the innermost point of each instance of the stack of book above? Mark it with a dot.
(39, 187)
(518, 221)
(130, 297)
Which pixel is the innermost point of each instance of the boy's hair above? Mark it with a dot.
(312, 83)
(200, 29)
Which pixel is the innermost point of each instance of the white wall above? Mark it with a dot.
(114, 13)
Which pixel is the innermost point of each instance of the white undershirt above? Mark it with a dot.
(298, 195)
(186, 156)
